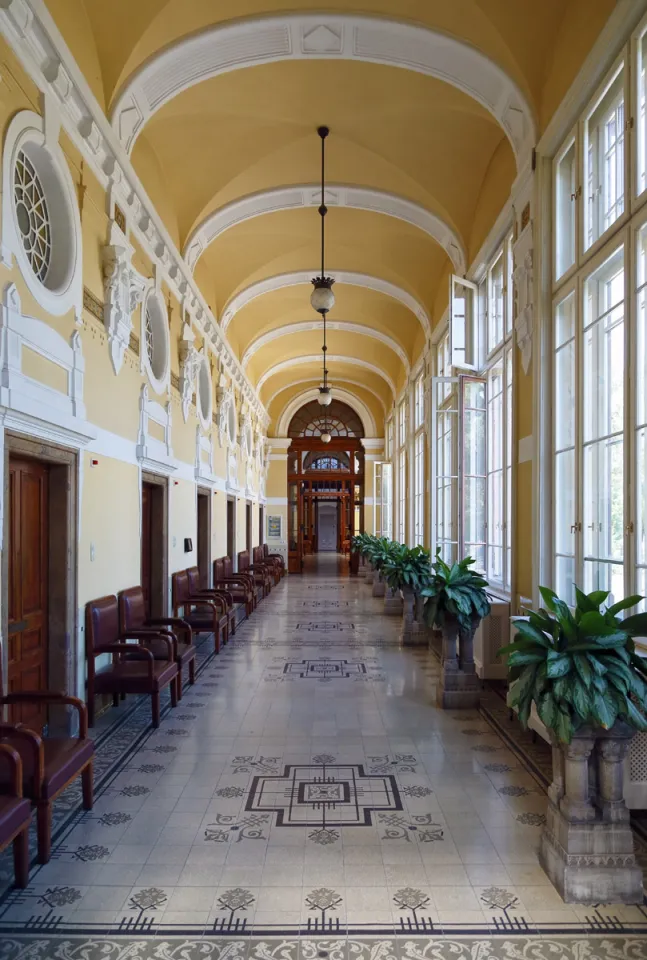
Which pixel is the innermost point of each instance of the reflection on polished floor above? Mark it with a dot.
(307, 789)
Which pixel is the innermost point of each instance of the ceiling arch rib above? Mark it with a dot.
(316, 325)
(336, 195)
(314, 382)
(316, 358)
(251, 42)
(283, 280)
(362, 411)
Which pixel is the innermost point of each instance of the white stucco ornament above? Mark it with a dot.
(123, 289)
(190, 362)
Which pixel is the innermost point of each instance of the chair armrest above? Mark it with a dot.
(51, 696)
(166, 636)
(217, 603)
(172, 622)
(140, 653)
(34, 744)
(225, 594)
(12, 757)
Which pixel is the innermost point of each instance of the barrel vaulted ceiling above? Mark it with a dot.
(432, 106)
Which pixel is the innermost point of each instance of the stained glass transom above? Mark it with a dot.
(32, 215)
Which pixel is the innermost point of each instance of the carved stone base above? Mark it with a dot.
(392, 603)
(379, 586)
(590, 862)
(458, 690)
(370, 575)
(414, 634)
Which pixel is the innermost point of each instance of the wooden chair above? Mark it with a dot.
(269, 566)
(15, 813)
(228, 567)
(204, 615)
(50, 764)
(193, 574)
(132, 616)
(276, 557)
(133, 669)
(239, 587)
(261, 576)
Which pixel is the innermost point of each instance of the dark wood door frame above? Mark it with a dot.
(65, 639)
(159, 543)
(232, 510)
(204, 516)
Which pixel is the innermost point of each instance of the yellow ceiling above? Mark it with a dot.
(392, 130)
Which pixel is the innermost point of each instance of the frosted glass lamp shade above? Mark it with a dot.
(325, 438)
(322, 298)
(325, 396)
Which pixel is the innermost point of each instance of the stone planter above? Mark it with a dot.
(379, 586)
(392, 602)
(587, 846)
(459, 687)
(370, 573)
(362, 568)
(413, 630)
(353, 562)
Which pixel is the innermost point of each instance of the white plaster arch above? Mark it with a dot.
(311, 381)
(360, 408)
(316, 358)
(336, 195)
(316, 325)
(348, 277)
(328, 36)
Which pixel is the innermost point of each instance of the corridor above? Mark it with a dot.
(306, 788)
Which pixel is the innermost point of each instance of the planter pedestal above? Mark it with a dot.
(379, 586)
(587, 845)
(392, 602)
(370, 573)
(414, 632)
(459, 687)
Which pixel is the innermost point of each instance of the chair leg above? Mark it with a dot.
(21, 858)
(216, 639)
(115, 699)
(87, 785)
(155, 706)
(178, 682)
(192, 671)
(44, 825)
(173, 690)
(90, 708)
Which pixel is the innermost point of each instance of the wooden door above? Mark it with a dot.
(28, 585)
(231, 530)
(204, 535)
(147, 545)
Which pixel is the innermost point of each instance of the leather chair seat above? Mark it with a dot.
(15, 813)
(131, 676)
(185, 651)
(63, 758)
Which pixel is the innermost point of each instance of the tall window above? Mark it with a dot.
(599, 350)
(419, 461)
(402, 472)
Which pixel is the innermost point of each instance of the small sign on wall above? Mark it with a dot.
(274, 527)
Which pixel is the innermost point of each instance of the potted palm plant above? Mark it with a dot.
(407, 570)
(455, 601)
(580, 671)
(359, 547)
(378, 554)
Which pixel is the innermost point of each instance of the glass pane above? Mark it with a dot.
(565, 188)
(604, 145)
(495, 305)
(564, 413)
(641, 328)
(641, 79)
(564, 579)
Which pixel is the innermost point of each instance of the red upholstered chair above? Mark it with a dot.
(240, 588)
(270, 565)
(133, 669)
(276, 557)
(261, 576)
(15, 813)
(228, 566)
(50, 764)
(204, 615)
(193, 574)
(132, 616)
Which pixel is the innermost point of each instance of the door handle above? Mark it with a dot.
(17, 627)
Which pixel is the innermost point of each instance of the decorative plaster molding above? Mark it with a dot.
(190, 361)
(31, 32)
(330, 358)
(316, 325)
(362, 411)
(343, 277)
(27, 404)
(313, 380)
(329, 36)
(124, 289)
(337, 195)
(522, 275)
(226, 415)
(152, 453)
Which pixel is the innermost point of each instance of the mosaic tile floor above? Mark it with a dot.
(307, 799)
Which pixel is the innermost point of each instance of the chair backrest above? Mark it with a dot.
(258, 555)
(243, 560)
(193, 577)
(229, 566)
(180, 588)
(219, 570)
(101, 628)
(266, 550)
(132, 609)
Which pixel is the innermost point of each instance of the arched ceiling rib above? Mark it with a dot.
(235, 46)
(343, 278)
(331, 359)
(295, 403)
(313, 384)
(336, 195)
(315, 326)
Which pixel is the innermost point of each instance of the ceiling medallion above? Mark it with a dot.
(322, 297)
